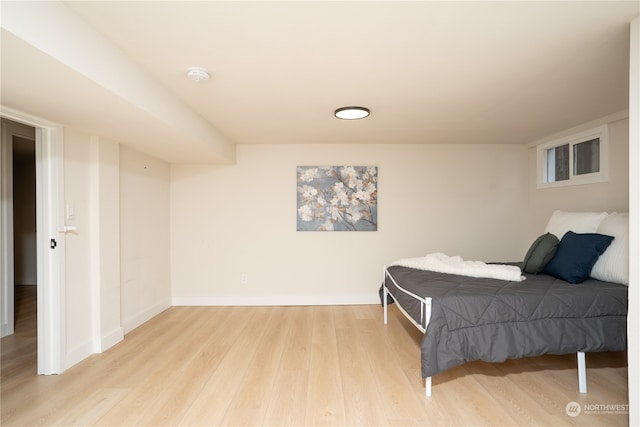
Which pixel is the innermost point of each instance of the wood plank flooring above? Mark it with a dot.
(294, 366)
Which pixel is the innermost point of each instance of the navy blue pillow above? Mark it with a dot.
(576, 256)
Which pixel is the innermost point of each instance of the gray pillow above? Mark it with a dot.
(540, 253)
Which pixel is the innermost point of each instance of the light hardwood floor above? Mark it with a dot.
(295, 366)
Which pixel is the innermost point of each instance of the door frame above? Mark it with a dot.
(51, 262)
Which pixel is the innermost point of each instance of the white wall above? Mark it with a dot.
(611, 196)
(227, 221)
(78, 286)
(92, 288)
(144, 237)
(117, 260)
(105, 242)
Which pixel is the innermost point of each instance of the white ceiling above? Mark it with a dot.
(430, 72)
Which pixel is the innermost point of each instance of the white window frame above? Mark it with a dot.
(601, 132)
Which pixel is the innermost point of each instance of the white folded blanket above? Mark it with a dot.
(442, 263)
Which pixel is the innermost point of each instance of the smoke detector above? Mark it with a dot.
(198, 74)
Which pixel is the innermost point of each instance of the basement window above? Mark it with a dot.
(576, 159)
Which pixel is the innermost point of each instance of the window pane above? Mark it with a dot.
(558, 163)
(586, 157)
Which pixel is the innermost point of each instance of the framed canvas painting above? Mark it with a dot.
(337, 198)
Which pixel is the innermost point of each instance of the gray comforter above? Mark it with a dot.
(494, 320)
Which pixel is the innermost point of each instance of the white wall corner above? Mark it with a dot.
(130, 324)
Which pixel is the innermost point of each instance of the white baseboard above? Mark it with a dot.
(78, 354)
(130, 324)
(111, 339)
(107, 341)
(81, 352)
(276, 301)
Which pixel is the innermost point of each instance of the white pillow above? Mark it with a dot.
(578, 222)
(613, 264)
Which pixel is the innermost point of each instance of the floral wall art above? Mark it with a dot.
(337, 198)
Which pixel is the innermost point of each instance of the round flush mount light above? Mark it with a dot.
(351, 113)
(198, 74)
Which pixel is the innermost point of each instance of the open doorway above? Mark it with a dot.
(25, 237)
(20, 246)
(24, 212)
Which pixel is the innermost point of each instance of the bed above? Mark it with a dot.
(466, 318)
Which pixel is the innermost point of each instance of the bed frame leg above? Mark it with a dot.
(427, 386)
(582, 373)
(384, 293)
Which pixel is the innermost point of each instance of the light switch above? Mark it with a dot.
(70, 214)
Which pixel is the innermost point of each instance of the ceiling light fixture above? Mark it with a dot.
(351, 113)
(198, 74)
